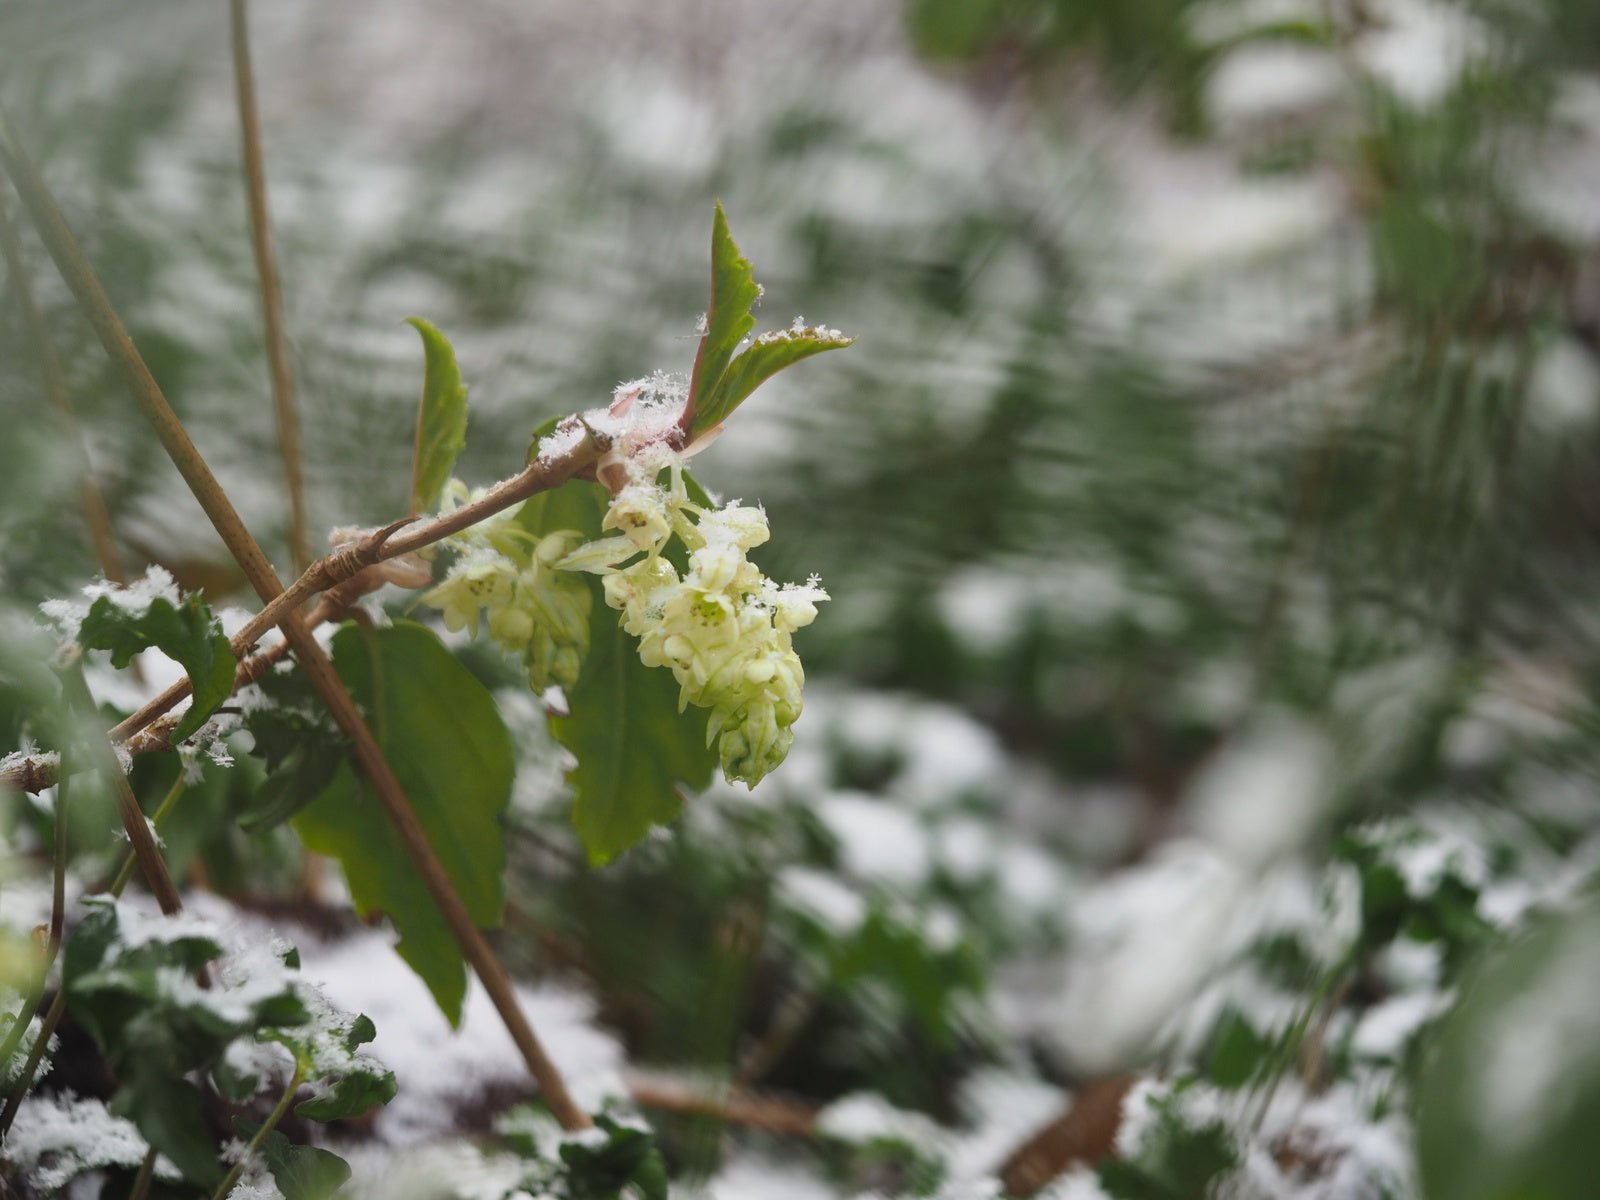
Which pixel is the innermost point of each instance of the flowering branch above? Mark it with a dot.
(314, 661)
(340, 574)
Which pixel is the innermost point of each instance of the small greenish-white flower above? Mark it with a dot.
(535, 611)
(722, 628)
(640, 514)
(481, 578)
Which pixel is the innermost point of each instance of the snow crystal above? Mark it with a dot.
(1386, 1028)
(750, 1178)
(1425, 862)
(1001, 1105)
(60, 1136)
(966, 849)
(1263, 79)
(878, 842)
(1078, 1184)
(1029, 878)
(1262, 796)
(1364, 1156)
(801, 331)
(138, 926)
(949, 756)
(834, 905)
(427, 1172)
(256, 1184)
(156, 583)
(249, 1059)
(1143, 942)
(41, 759)
(1139, 1115)
(984, 608)
(1420, 48)
(11, 1069)
(866, 1117)
(434, 1067)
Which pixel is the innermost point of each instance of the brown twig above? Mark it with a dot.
(340, 574)
(774, 1114)
(283, 398)
(149, 730)
(95, 515)
(104, 760)
(313, 660)
(1084, 1132)
(394, 540)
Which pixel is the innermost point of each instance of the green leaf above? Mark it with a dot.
(441, 418)
(954, 30)
(303, 1172)
(627, 1162)
(728, 321)
(576, 504)
(1510, 1100)
(632, 744)
(168, 1111)
(1179, 1155)
(721, 382)
(129, 981)
(349, 1083)
(297, 744)
(770, 353)
(1237, 1051)
(186, 633)
(442, 734)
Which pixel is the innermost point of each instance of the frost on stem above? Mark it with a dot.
(722, 627)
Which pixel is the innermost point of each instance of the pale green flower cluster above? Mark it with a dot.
(722, 627)
(534, 611)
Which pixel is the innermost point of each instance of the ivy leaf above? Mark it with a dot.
(1178, 1155)
(298, 745)
(632, 745)
(442, 734)
(186, 633)
(129, 981)
(441, 417)
(626, 1161)
(348, 1081)
(770, 353)
(168, 1110)
(728, 320)
(303, 1172)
